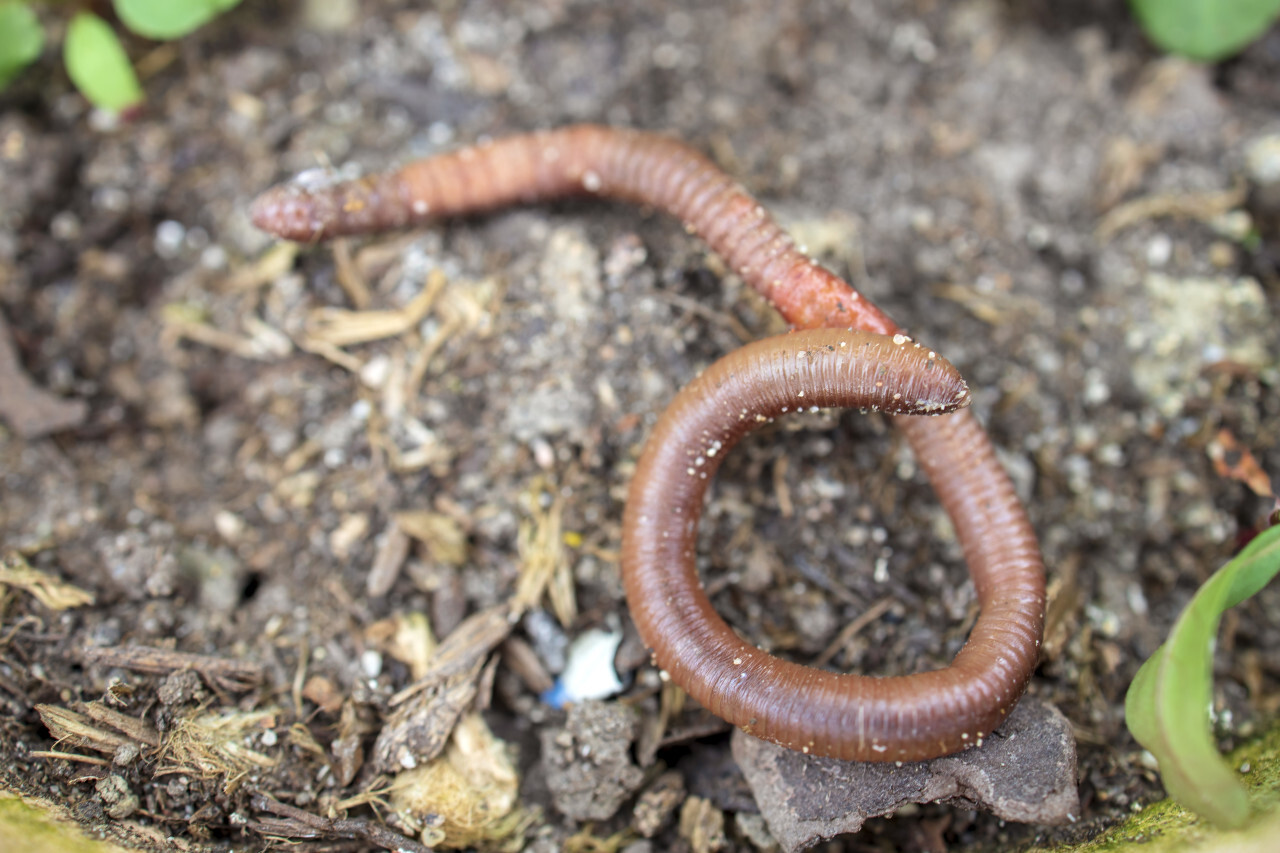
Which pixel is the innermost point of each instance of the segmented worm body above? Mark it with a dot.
(900, 718)
(582, 160)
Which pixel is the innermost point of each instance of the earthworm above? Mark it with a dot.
(580, 160)
(811, 710)
(901, 718)
(849, 716)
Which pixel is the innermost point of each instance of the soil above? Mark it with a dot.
(1032, 190)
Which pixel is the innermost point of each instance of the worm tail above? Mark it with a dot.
(582, 160)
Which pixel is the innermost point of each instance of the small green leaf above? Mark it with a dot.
(169, 19)
(1207, 30)
(1168, 704)
(22, 42)
(98, 65)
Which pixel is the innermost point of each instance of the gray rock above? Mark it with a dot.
(1024, 772)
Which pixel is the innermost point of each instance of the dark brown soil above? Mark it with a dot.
(230, 488)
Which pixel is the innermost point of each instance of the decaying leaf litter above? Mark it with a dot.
(240, 471)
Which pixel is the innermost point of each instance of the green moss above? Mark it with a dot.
(1166, 827)
(27, 826)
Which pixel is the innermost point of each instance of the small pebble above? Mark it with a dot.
(170, 236)
(589, 672)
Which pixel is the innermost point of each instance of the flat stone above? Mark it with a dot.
(1024, 772)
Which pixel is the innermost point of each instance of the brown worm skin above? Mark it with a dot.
(582, 160)
(815, 711)
(900, 718)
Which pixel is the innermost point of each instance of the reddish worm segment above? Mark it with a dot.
(902, 718)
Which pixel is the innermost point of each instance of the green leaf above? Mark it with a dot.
(1207, 30)
(169, 19)
(22, 42)
(1168, 704)
(98, 65)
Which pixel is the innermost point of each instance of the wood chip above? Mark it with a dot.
(323, 693)
(428, 710)
(443, 537)
(466, 645)
(408, 638)
(54, 594)
(139, 730)
(295, 823)
(78, 730)
(220, 672)
(392, 552)
(543, 566)
(348, 746)
(418, 730)
(521, 659)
